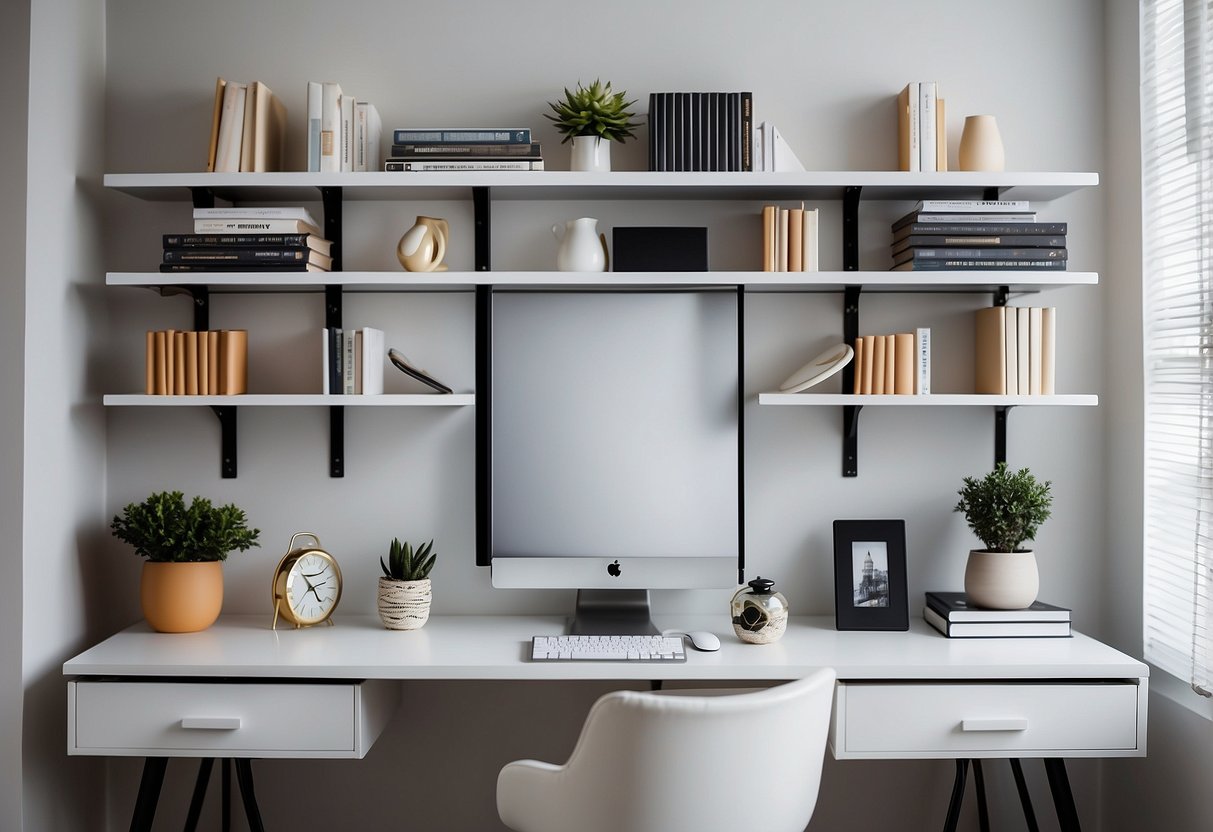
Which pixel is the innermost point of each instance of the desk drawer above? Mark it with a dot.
(232, 719)
(1072, 719)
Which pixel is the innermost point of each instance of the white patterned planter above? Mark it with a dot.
(404, 605)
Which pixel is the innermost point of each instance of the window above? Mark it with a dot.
(1177, 302)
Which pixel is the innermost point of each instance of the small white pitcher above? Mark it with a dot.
(581, 250)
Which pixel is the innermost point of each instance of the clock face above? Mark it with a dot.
(313, 587)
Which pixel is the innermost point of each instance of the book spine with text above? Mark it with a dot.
(991, 253)
(236, 240)
(982, 229)
(922, 361)
(453, 165)
(992, 265)
(427, 149)
(266, 226)
(313, 126)
(466, 135)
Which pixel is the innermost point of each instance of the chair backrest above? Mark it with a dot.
(647, 761)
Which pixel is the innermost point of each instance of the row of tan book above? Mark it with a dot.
(1016, 349)
(188, 363)
(790, 239)
(898, 364)
(922, 136)
(248, 128)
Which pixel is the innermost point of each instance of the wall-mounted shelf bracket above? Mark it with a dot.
(202, 197)
(227, 442)
(850, 439)
(1000, 433)
(330, 198)
(850, 413)
(202, 307)
(1000, 296)
(481, 218)
(332, 320)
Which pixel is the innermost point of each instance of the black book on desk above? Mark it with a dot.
(952, 615)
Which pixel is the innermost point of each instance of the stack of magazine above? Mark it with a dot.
(951, 614)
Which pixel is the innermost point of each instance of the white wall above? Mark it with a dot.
(826, 73)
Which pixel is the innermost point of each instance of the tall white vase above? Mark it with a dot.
(581, 247)
(981, 145)
(591, 153)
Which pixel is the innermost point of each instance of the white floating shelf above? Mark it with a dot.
(885, 185)
(832, 281)
(293, 400)
(931, 400)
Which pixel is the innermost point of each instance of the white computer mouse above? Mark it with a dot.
(699, 639)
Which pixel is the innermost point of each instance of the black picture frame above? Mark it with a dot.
(862, 600)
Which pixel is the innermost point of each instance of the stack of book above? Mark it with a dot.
(343, 133)
(897, 365)
(211, 363)
(789, 239)
(352, 361)
(922, 136)
(1015, 351)
(464, 148)
(248, 127)
(956, 234)
(951, 614)
(701, 131)
(249, 240)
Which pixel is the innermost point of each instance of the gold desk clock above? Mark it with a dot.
(307, 584)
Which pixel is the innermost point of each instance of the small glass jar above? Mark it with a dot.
(759, 613)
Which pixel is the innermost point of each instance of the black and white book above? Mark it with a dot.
(985, 253)
(1004, 629)
(938, 217)
(981, 265)
(298, 213)
(248, 255)
(955, 607)
(991, 241)
(461, 165)
(450, 150)
(248, 240)
(981, 229)
(975, 206)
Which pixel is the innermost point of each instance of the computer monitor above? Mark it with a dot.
(615, 447)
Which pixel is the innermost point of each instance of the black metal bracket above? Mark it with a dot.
(484, 424)
(482, 230)
(331, 198)
(202, 197)
(202, 307)
(1001, 294)
(850, 327)
(1000, 433)
(227, 440)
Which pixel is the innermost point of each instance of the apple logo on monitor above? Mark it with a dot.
(614, 570)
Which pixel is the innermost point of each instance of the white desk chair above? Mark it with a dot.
(652, 762)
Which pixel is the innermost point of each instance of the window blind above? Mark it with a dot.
(1177, 237)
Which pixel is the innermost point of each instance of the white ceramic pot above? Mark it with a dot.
(581, 249)
(404, 605)
(981, 145)
(1002, 580)
(591, 153)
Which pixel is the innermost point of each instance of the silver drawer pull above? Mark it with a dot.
(210, 723)
(1014, 723)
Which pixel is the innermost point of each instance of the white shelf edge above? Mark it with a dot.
(930, 400)
(291, 400)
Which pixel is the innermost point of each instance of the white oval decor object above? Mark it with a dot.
(404, 605)
(1002, 580)
(591, 154)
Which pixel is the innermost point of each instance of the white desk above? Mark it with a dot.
(237, 689)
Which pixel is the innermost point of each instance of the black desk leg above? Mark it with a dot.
(958, 793)
(244, 776)
(1025, 799)
(149, 793)
(979, 785)
(227, 795)
(1063, 798)
(204, 777)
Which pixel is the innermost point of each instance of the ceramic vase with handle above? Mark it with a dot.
(591, 154)
(423, 246)
(581, 248)
(981, 145)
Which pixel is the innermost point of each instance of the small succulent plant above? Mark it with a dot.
(593, 111)
(404, 564)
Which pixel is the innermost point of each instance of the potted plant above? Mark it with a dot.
(592, 117)
(404, 588)
(1004, 509)
(181, 590)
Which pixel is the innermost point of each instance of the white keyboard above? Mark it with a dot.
(608, 648)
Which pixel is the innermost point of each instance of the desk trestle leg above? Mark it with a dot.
(153, 779)
(1059, 785)
(1025, 799)
(1063, 798)
(149, 794)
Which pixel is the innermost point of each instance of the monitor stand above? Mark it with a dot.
(612, 612)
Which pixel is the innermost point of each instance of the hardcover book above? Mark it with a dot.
(461, 165)
(1007, 629)
(954, 606)
(463, 135)
(981, 229)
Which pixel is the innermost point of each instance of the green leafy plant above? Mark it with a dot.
(164, 529)
(1003, 508)
(593, 111)
(403, 564)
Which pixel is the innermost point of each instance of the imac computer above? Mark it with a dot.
(614, 447)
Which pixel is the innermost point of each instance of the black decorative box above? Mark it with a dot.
(659, 249)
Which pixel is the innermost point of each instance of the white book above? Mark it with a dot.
(1048, 350)
(293, 212)
(812, 244)
(785, 158)
(348, 105)
(1022, 319)
(373, 353)
(231, 129)
(1011, 339)
(347, 362)
(313, 126)
(915, 129)
(922, 363)
(248, 136)
(330, 127)
(926, 125)
(976, 206)
(324, 361)
(374, 138)
(255, 226)
(759, 150)
(360, 136)
(1035, 342)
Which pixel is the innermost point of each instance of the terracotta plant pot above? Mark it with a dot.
(1001, 580)
(181, 597)
(404, 605)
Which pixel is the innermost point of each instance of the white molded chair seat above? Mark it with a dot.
(648, 762)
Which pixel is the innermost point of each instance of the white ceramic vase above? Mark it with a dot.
(581, 249)
(981, 145)
(1001, 580)
(404, 605)
(591, 153)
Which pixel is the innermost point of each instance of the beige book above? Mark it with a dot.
(768, 238)
(191, 363)
(233, 355)
(1023, 341)
(249, 128)
(212, 362)
(796, 239)
(903, 127)
(811, 242)
(170, 361)
(269, 129)
(989, 352)
(204, 364)
(179, 363)
(1048, 350)
(903, 373)
(149, 360)
(890, 364)
(869, 362)
(231, 128)
(216, 113)
(781, 241)
(941, 137)
(858, 365)
(161, 365)
(878, 349)
(1035, 342)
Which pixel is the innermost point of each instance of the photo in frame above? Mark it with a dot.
(870, 575)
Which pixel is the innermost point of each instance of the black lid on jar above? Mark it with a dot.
(761, 585)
